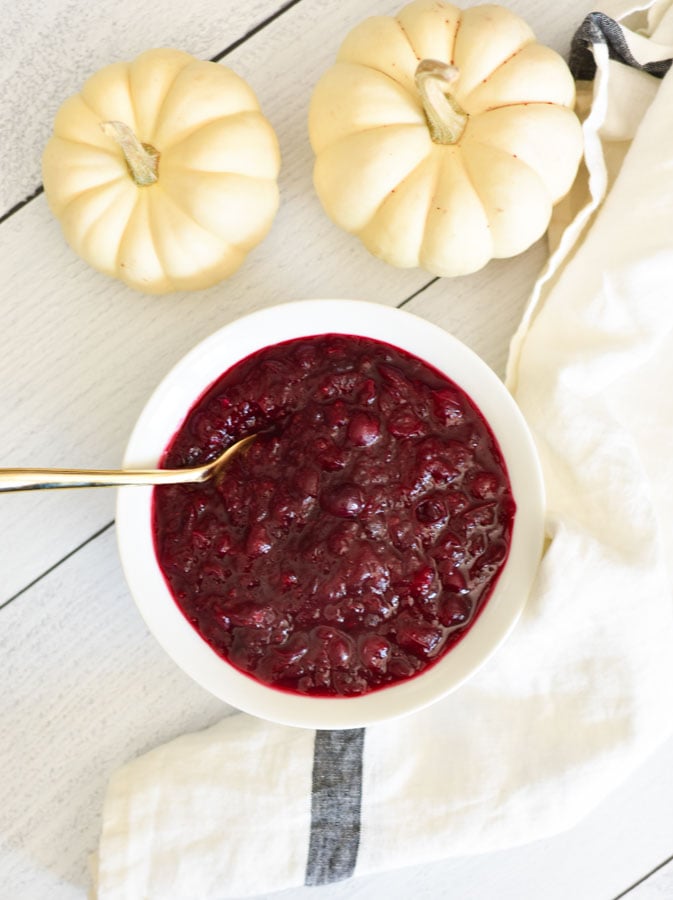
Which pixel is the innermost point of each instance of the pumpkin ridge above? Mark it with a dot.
(502, 152)
(433, 194)
(162, 105)
(508, 59)
(97, 147)
(104, 118)
(553, 195)
(500, 66)
(470, 181)
(459, 23)
(200, 172)
(206, 172)
(514, 103)
(369, 68)
(451, 167)
(418, 55)
(410, 173)
(151, 222)
(486, 203)
(409, 41)
(410, 93)
(192, 131)
(90, 192)
(187, 215)
(122, 236)
(94, 223)
(347, 137)
(206, 123)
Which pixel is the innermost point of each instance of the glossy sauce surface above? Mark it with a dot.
(359, 536)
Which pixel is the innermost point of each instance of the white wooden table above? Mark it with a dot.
(84, 686)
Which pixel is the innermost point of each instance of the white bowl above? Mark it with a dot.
(165, 412)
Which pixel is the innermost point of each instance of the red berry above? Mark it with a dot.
(404, 423)
(431, 510)
(344, 500)
(375, 652)
(418, 637)
(447, 406)
(454, 610)
(364, 429)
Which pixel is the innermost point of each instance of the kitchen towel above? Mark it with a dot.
(581, 692)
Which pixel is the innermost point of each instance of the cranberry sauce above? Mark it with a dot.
(357, 538)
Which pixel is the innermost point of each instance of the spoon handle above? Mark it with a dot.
(38, 479)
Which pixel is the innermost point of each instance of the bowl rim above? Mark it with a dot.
(164, 413)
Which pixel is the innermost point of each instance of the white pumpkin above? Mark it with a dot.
(443, 137)
(163, 171)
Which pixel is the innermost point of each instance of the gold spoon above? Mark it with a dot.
(37, 479)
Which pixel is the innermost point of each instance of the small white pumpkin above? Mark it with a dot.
(443, 137)
(163, 171)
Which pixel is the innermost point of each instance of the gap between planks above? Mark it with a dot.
(644, 879)
(58, 563)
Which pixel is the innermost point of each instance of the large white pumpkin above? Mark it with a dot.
(163, 171)
(443, 137)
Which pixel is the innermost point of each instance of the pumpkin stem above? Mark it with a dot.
(142, 159)
(446, 118)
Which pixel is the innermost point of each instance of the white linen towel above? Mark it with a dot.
(582, 690)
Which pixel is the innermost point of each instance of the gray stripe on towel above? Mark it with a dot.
(597, 28)
(335, 805)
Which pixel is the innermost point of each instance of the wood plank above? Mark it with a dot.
(83, 352)
(85, 688)
(49, 49)
(658, 886)
(483, 312)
